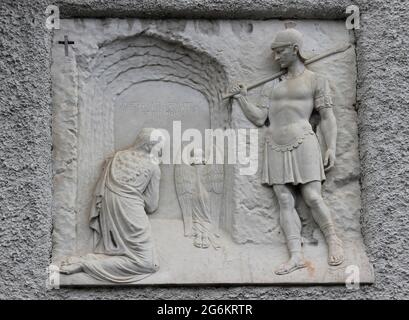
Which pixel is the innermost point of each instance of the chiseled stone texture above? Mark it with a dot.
(25, 142)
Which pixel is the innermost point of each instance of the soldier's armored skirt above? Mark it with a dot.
(296, 162)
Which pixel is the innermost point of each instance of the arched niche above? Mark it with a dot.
(129, 81)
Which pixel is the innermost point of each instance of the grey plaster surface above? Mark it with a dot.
(25, 143)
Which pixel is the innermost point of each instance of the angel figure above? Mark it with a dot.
(193, 184)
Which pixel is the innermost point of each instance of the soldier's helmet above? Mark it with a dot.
(289, 37)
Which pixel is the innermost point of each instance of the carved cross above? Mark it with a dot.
(66, 42)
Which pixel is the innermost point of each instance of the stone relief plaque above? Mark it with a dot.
(143, 196)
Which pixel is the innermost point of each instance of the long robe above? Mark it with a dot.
(201, 215)
(192, 185)
(123, 244)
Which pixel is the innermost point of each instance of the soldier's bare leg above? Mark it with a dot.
(307, 221)
(291, 225)
(311, 193)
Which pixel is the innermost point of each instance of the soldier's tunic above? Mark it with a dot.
(292, 153)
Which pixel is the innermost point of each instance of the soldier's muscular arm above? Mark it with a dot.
(329, 129)
(254, 113)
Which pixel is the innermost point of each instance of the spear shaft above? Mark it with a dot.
(280, 73)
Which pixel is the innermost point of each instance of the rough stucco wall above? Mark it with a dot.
(25, 144)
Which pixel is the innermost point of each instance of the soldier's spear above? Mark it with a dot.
(279, 74)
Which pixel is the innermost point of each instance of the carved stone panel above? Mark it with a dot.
(213, 224)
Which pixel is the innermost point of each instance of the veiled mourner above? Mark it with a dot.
(128, 188)
(292, 154)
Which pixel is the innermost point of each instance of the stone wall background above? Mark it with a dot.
(25, 142)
